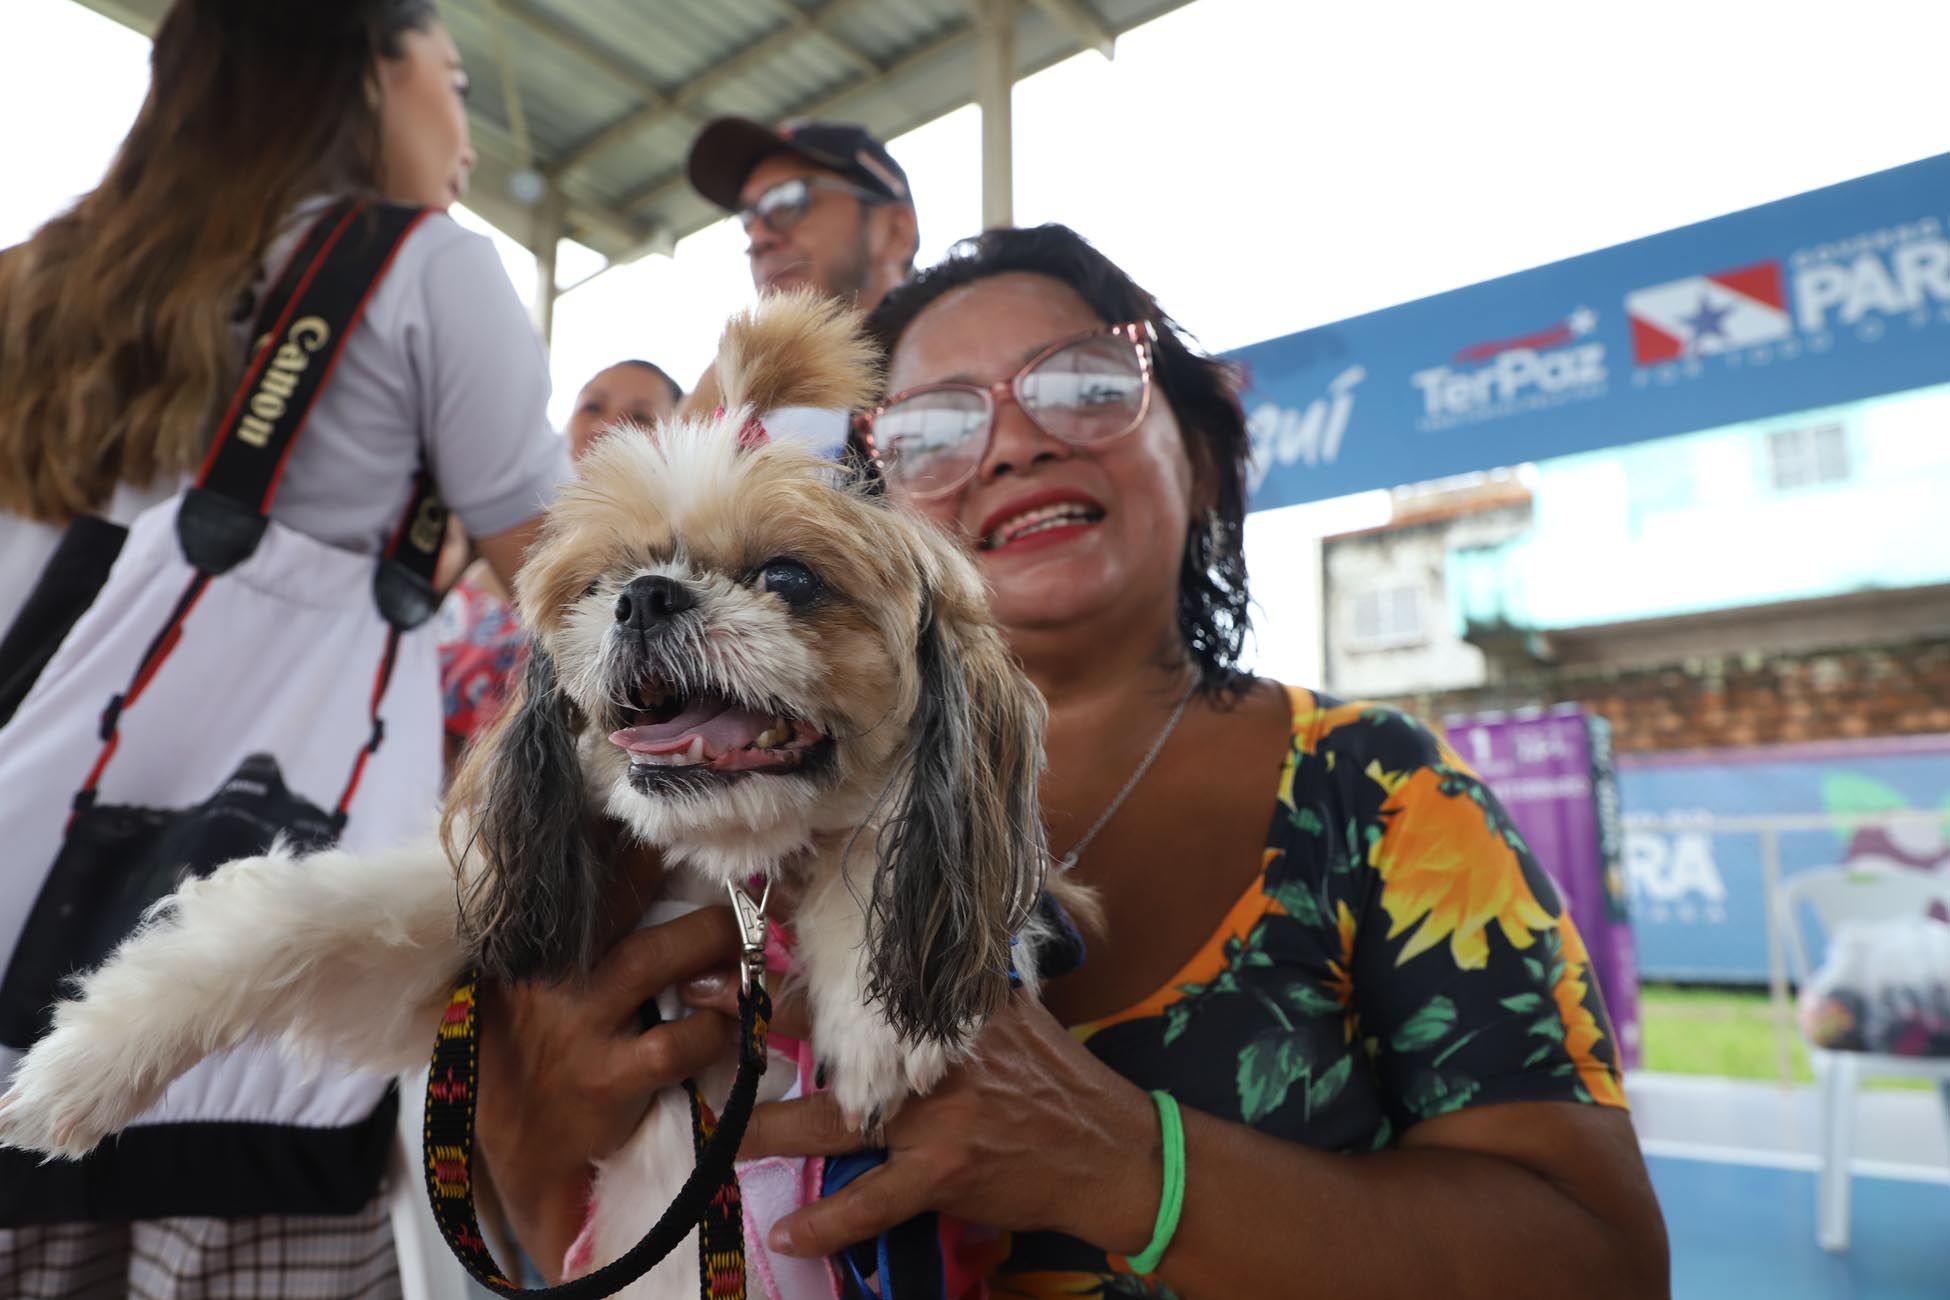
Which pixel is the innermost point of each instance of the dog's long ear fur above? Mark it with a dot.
(531, 900)
(795, 349)
(964, 852)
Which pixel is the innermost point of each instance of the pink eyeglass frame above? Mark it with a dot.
(1141, 334)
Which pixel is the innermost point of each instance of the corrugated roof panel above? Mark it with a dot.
(659, 151)
(561, 96)
(886, 28)
(716, 29)
(614, 90)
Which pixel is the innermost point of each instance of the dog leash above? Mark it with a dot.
(709, 1198)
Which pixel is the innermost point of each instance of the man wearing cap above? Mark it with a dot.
(823, 203)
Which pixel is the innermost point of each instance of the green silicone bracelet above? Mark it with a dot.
(1172, 1202)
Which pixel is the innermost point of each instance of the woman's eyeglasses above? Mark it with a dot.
(786, 204)
(1086, 391)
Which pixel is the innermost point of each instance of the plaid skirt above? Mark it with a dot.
(277, 1257)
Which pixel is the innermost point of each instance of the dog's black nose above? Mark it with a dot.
(648, 601)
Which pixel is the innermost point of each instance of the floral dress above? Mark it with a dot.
(482, 647)
(1401, 955)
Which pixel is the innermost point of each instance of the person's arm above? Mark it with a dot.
(1035, 1133)
(504, 550)
(483, 388)
(1531, 1198)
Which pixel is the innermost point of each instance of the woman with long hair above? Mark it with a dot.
(126, 323)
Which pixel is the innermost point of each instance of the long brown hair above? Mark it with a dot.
(118, 317)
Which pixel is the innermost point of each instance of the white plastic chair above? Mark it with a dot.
(1836, 895)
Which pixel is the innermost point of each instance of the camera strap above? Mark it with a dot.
(306, 320)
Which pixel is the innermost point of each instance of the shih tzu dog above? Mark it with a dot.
(742, 656)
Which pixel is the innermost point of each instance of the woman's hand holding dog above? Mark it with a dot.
(1031, 1132)
(567, 1073)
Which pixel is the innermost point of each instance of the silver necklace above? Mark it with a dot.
(1069, 859)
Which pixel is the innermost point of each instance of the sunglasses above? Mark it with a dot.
(1085, 391)
(786, 204)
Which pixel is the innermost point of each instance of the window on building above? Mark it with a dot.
(1806, 457)
(1388, 616)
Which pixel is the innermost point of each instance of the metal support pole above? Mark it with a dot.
(995, 77)
(545, 236)
(1777, 975)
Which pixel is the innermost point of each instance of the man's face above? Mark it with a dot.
(831, 248)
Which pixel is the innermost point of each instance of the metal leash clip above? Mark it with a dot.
(753, 926)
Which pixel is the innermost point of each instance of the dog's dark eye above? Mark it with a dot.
(791, 582)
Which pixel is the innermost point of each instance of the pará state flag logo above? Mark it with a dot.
(1704, 314)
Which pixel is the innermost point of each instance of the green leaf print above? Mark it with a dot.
(1269, 1066)
(1298, 902)
(1548, 1026)
(1310, 1000)
(1523, 1002)
(1328, 1086)
(1308, 820)
(1426, 1027)
(1178, 1018)
(1432, 1094)
(1457, 1046)
(1354, 854)
(1535, 969)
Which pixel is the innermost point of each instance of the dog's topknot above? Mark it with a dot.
(797, 348)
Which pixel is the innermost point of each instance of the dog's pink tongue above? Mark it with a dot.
(723, 727)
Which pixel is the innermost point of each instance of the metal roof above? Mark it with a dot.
(609, 93)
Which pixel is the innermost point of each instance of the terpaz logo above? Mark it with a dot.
(1504, 376)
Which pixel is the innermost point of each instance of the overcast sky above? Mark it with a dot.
(1262, 166)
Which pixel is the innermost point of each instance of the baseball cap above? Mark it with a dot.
(727, 149)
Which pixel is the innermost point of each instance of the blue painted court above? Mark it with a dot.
(1745, 1230)
(1733, 1162)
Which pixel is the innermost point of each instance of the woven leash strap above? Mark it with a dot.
(708, 1200)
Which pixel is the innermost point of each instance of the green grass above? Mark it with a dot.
(1726, 1032)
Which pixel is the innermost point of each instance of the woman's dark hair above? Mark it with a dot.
(676, 391)
(1203, 393)
(117, 318)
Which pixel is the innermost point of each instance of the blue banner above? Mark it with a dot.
(1699, 900)
(1831, 296)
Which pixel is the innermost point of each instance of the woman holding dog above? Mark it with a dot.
(1385, 971)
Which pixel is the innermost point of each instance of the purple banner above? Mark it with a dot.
(1553, 772)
